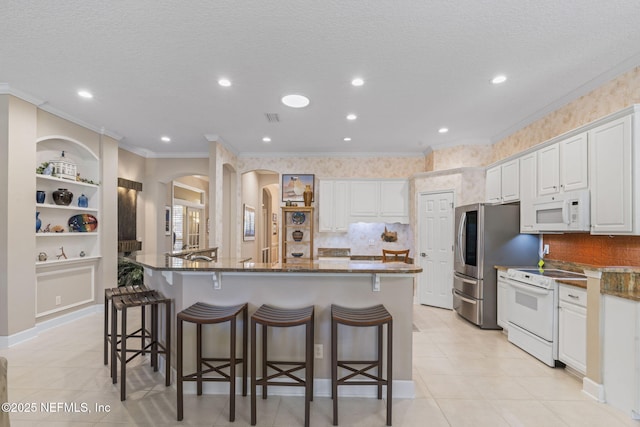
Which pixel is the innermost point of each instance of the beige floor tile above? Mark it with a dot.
(471, 413)
(587, 414)
(527, 413)
(463, 376)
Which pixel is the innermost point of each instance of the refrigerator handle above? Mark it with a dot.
(463, 220)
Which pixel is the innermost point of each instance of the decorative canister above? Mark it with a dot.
(307, 196)
(62, 196)
(40, 196)
(297, 235)
(83, 201)
(38, 222)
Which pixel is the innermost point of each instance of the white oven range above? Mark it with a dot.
(532, 310)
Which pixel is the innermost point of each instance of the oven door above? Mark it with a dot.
(531, 308)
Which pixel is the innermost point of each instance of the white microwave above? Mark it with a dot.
(568, 211)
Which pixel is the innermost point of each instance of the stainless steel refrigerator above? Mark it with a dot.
(486, 236)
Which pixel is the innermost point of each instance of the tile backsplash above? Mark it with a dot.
(594, 250)
(360, 234)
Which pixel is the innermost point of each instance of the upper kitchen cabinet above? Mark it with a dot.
(379, 201)
(611, 170)
(503, 182)
(563, 166)
(333, 208)
(528, 192)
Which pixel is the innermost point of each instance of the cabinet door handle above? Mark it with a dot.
(573, 296)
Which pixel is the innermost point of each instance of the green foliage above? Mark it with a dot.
(129, 273)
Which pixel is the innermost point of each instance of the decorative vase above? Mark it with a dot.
(307, 196)
(38, 222)
(62, 196)
(83, 201)
(297, 235)
(40, 196)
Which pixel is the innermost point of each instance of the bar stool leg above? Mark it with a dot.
(199, 359)
(253, 372)
(143, 330)
(106, 329)
(167, 343)
(334, 369)
(232, 372)
(389, 369)
(245, 345)
(123, 355)
(154, 337)
(379, 356)
(114, 343)
(179, 369)
(264, 361)
(308, 386)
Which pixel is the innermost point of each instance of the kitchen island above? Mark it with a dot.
(348, 283)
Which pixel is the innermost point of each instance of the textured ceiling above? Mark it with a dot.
(153, 67)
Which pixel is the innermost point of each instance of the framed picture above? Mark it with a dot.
(249, 223)
(293, 186)
(167, 220)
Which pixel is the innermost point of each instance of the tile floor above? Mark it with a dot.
(464, 377)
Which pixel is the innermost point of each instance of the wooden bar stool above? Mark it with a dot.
(376, 316)
(122, 303)
(389, 255)
(108, 295)
(282, 318)
(203, 314)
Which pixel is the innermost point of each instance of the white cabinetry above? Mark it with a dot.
(379, 201)
(503, 300)
(611, 172)
(502, 182)
(563, 166)
(528, 174)
(621, 353)
(333, 206)
(572, 324)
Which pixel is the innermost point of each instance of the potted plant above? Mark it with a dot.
(129, 273)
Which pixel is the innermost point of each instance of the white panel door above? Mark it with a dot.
(436, 249)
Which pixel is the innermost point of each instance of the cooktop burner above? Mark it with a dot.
(555, 273)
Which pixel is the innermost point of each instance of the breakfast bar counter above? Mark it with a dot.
(347, 283)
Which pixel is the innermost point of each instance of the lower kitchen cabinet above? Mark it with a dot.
(621, 353)
(572, 324)
(503, 300)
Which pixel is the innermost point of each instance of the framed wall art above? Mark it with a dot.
(249, 223)
(293, 186)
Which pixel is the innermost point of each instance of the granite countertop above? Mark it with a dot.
(620, 281)
(169, 263)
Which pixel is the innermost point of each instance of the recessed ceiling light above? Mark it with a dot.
(224, 82)
(295, 101)
(357, 81)
(351, 117)
(266, 139)
(347, 139)
(443, 130)
(85, 94)
(165, 139)
(499, 79)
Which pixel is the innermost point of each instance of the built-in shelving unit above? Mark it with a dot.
(66, 281)
(297, 219)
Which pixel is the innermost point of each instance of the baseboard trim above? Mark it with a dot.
(22, 336)
(593, 389)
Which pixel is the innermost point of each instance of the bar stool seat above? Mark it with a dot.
(375, 316)
(202, 314)
(270, 316)
(122, 303)
(108, 295)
